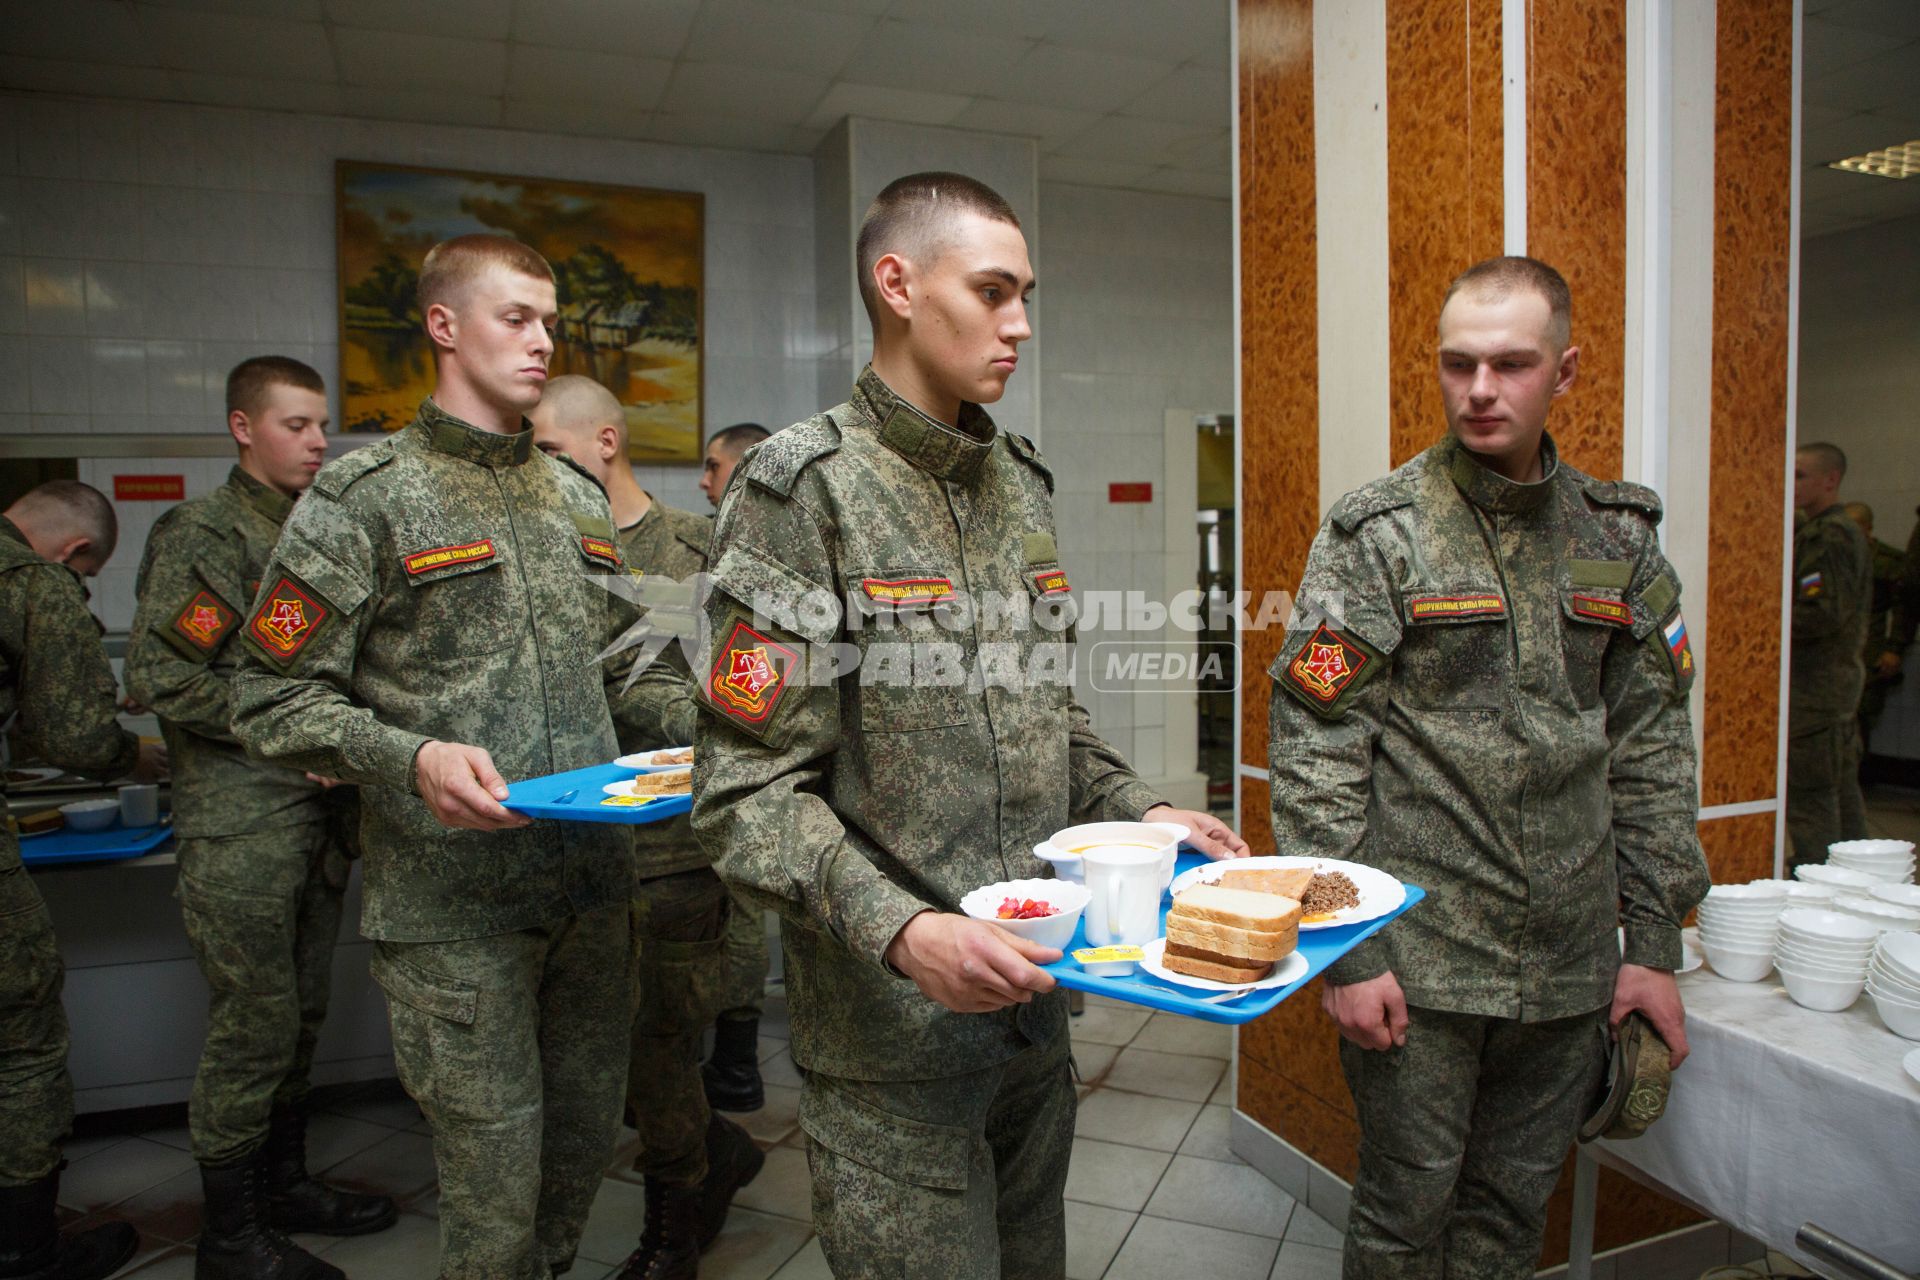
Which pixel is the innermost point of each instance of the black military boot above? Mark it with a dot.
(669, 1240)
(733, 1160)
(297, 1201)
(237, 1242)
(732, 1074)
(32, 1248)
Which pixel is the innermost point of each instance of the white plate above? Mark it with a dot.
(1287, 971)
(1379, 892)
(38, 775)
(643, 760)
(626, 788)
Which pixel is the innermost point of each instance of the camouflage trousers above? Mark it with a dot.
(515, 1047)
(745, 992)
(262, 911)
(36, 1094)
(1824, 803)
(957, 1179)
(1463, 1133)
(680, 937)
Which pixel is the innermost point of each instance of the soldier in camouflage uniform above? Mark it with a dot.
(263, 865)
(862, 807)
(1483, 692)
(429, 626)
(693, 1160)
(55, 678)
(1883, 650)
(732, 1073)
(1832, 596)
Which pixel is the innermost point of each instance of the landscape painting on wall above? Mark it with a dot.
(628, 263)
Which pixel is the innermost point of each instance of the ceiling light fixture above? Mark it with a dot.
(1899, 161)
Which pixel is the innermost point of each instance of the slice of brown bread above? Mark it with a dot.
(1195, 967)
(1240, 908)
(1288, 882)
(1225, 940)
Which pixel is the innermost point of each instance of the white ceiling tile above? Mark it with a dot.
(576, 116)
(918, 55)
(54, 75)
(641, 28)
(574, 74)
(1888, 17)
(291, 10)
(757, 34)
(1150, 142)
(1829, 47)
(1190, 95)
(1024, 18)
(882, 102)
(474, 19)
(1147, 28)
(408, 60)
(872, 7)
(79, 31)
(1092, 173)
(268, 95)
(1050, 125)
(749, 93)
(1084, 79)
(192, 40)
(429, 106)
(1850, 137)
(719, 131)
(1184, 182)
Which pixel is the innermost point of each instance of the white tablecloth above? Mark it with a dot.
(1784, 1116)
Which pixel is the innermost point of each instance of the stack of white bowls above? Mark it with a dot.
(1900, 895)
(1843, 879)
(1738, 923)
(1890, 861)
(1802, 893)
(1822, 957)
(1887, 916)
(1893, 980)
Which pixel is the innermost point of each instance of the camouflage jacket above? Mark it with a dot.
(54, 674)
(1889, 566)
(1832, 597)
(1906, 594)
(436, 585)
(1483, 692)
(670, 543)
(203, 564)
(851, 799)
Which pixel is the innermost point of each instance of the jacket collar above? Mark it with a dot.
(447, 434)
(1488, 489)
(264, 498)
(949, 453)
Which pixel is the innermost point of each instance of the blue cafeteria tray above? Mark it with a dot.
(116, 842)
(1321, 947)
(535, 797)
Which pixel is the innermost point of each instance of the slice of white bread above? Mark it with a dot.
(1288, 882)
(1195, 967)
(1225, 940)
(1240, 908)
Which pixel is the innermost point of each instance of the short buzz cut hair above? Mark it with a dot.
(1861, 511)
(252, 378)
(578, 403)
(452, 265)
(912, 217)
(70, 507)
(1498, 277)
(738, 438)
(1829, 456)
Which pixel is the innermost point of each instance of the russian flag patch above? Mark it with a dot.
(1679, 652)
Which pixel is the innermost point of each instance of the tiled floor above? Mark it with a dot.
(1153, 1191)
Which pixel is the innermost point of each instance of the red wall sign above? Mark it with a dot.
(1138, 491)
(149, 488)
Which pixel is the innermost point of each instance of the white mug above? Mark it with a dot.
(1125, 883)
(139, 805)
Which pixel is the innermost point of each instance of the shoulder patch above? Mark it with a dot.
(775, 463)
(288, 616)
(344, 471)
(1368, 501)
(748, 677)
(1328, 668)
(1028, 452)
(204, 622)
(1624, 493)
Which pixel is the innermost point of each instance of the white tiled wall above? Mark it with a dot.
(146, 248)
(1136, 301)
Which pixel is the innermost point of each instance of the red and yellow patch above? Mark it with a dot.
(602, 550)
(286, 619)
(1602, 610)
(1325, 665)
(204, 621)
(1426, 608)
(1051, 581)
(908, 590)
(750, 674)
(440, 557)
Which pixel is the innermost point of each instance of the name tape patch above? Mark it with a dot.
(441, 557)
(907, 590)
(1602, 609)
(601, 549)
(1325, 665)
(749, 676)
(286, 619)
(1051, 581)
(1422, 608)
(204, 621)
